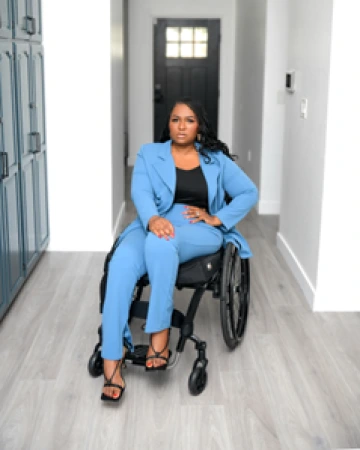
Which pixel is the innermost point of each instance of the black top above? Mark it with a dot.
(191, 188)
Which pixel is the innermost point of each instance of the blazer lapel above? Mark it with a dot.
(211, 171)
(165, 167)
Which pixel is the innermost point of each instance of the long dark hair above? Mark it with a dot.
(208, 141)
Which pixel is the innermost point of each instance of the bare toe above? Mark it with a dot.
(112, 374)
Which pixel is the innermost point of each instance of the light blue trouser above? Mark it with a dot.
(140, 252)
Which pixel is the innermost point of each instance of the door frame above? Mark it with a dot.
(141, 119)
(184, 15)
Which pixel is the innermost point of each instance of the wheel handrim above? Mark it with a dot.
(237, 298)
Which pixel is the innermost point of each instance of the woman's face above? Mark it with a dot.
(183, 125)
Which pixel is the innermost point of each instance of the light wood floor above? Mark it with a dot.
(294, 383)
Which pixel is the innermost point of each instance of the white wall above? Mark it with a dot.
(259, 106)
(141, 14)
(304, 149)
(338, 287)
(118, 108)
(273, 117)
(78, 102)
(249, 84)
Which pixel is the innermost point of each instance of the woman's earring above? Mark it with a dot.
(198, 137)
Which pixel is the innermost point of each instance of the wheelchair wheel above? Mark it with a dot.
(197, 380)
(95, 365)
(234, 296)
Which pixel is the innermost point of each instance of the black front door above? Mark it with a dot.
(186, 64)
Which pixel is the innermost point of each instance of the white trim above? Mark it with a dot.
(131, 160)
(119, 221)
(268, 207)
(296, 269)
(141, 114)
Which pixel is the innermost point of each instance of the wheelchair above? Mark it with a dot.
(226, 275)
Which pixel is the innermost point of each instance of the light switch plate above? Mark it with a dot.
(304, 108)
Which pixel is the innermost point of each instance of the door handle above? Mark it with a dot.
(158, 95)
(5, 165)
(35, 143)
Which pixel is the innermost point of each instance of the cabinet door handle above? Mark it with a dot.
(30, 25)
(35, 142)
(5, 165)
(33, 25)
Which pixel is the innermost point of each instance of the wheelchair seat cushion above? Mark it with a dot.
(197, 271)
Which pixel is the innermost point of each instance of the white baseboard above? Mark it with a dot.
(296, 269)
(268, 207)
(119, 221)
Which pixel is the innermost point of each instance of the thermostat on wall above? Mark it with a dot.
(290, 81)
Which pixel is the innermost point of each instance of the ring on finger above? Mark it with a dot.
(197, 214)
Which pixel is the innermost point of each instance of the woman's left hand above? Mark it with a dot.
(199, 214)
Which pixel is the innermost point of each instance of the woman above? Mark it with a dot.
(178, 188)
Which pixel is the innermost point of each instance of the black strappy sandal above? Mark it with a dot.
(157, 355)
(108, 383)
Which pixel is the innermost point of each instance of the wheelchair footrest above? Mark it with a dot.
(138, 356)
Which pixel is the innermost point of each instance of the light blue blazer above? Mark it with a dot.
(153, 190)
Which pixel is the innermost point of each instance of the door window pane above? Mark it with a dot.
(172, 50)
(201, 35)
(187, 51)
(186, 42)
(200, 50)
(172, 34)
(187, 34)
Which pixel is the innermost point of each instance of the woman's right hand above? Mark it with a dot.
(161, 227)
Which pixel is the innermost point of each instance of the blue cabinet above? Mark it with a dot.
(37, 16)
(32, 149)
(10, 184)
(5, 19)
(26, 150)
(21, 19)
(3, 295)
(24, 222)
(23, 23)
(38, 132)
(27, 20)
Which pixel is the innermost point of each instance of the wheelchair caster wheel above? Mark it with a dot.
(95, 365)
(197, 381)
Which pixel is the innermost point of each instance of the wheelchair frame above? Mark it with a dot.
(226, 275)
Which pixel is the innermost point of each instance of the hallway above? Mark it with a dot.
(292, 385)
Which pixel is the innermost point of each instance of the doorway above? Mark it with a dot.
(186, 64)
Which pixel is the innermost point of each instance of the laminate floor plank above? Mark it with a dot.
(341, 349)
(204, 427)
(248, 413)
(21, 417)
(309, 365)
(68, 418)
(295, 428)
